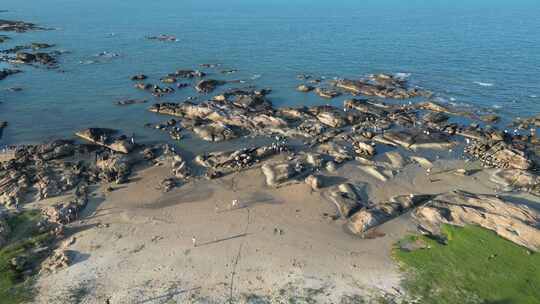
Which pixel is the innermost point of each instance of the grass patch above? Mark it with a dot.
(24, 239)
(476, 266)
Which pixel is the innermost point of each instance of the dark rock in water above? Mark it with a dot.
(491, 118)
(327, 93)
(189, 74)
(435, 117)
(7, 72)
(3, 124)
(209, 65)
(304, 88)
(154, 89)
(209, 85)
(25, 57)
(3, 38)
(40, 45)
(168, 79)
(130, 102)
(28, 58)
(163, 37)
(17, 26)
(138, 77)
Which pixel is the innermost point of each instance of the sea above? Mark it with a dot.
(482, 55)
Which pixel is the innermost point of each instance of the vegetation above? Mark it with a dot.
(23, 246)
(476, 266)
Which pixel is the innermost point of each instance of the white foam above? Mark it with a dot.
(484, 84)
(402, 75)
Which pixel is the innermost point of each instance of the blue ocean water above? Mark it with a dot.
(478, 53)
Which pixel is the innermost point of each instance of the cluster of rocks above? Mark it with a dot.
(17, 26)
(219, 163)
(163, 37)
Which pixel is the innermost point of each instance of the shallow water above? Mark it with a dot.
(484, 54)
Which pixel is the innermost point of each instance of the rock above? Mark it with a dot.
(314, 182)
(514, 222)
(397, 161)
(277, 173)
(346, 199)
(105, 137)
(126, 102)
(435, 117)
(168, 79)
(381, 85)
(60, 259)
(230, 161)
(214, 131)
(189, 74)
(64, 213)
(314, 159)
(327, 93)
(138, 77)
(363, 149)
(512, 179)
(7, 72)
(17, 26)
(114, 168)
(208, 85)
(500, 154)
(167, 184)
(490, 118)
(373, 216)
(331, 117)
(330, 166)
(163, 37)
(304, 88)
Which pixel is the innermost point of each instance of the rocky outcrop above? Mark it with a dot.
(230, 161)
(373, 216)
(208, 85)
(17, 26)
(214, 131)
(500, 154)
(106, 138)
(381, 85)
(514, 222)
(277, 174)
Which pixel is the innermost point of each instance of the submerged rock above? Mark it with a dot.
(7, 72)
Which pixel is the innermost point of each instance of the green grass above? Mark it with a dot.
(15, 287)
(476, 266)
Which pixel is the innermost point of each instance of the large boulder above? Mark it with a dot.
(277, 173)
(515, 222)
